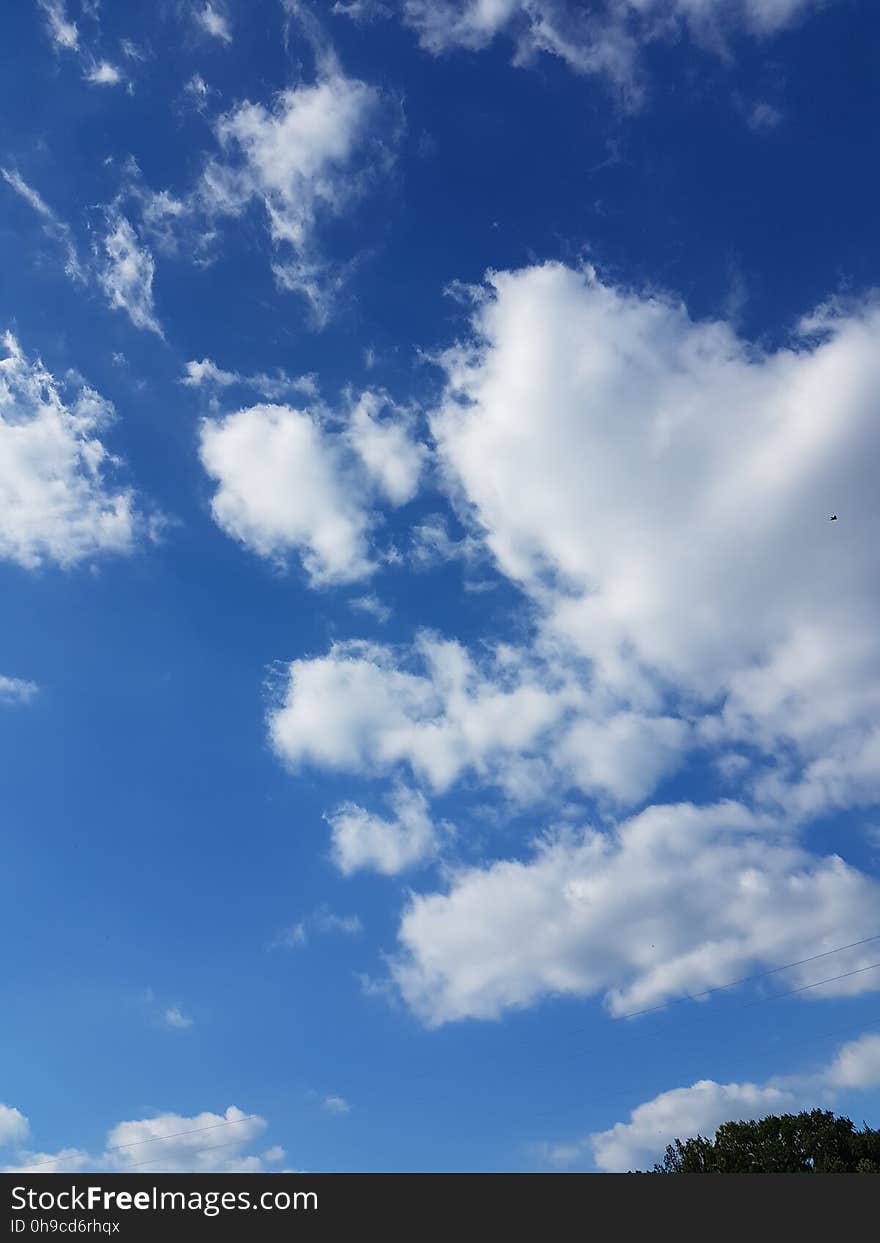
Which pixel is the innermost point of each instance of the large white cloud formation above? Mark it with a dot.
(662, 490)
(57, 501)
(678, 900)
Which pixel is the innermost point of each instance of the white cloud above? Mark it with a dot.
(362, 841)
(54, 228)
(66, 1160)
(361, 10)
(62, 31)
(356, 710)
(677, 900)
(16, 690)
(308, 157)
(857, 1064)
(197, 87)
(661, 490)
(168, 1143)
(626, 754)
(605, 38)
(207, 1142)
(516, 722)
(214, 23)
(433, 545)
(335, 1105)
(56, 499)
(283, 487)
(682, 1113)
(102, 73)
(322, 921)
(127, 275)
(763, 116)
(302, 481)
(174, 1018)
(208, 375)
(393, 457)
(13, 1126)
(372, 606)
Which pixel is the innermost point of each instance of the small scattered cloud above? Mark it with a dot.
(62, 31)
(53, 227)
(214, 22)
(273, 386)
(173, 1017)
(321, 922)
(372, 606)
(763, 117)
(126, 274)
(16, 690)
(102, 73)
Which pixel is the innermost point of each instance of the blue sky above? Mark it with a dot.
(423, 641)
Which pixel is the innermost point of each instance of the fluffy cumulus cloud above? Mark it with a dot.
(58, 502)
(298, 481)
(365, 841)
(127, 274)
(304, 159)
(679, 899)
(662, 489)
(169, 1143)
(522, 724)
(387, 448)
(683, 1112)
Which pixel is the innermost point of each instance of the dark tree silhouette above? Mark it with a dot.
(814, 1142)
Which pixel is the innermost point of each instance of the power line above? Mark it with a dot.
(158, 1139)
(746, 979)
(817, 984)
(213, 1148)
(717, 988)
(613, 1018)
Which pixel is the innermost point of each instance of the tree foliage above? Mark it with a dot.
(812, 1142)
